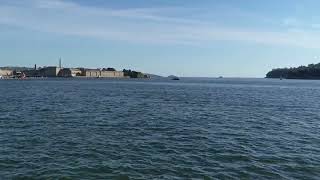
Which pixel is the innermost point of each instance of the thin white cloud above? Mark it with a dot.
(140, 25)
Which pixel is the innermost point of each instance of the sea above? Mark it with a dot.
(195, 128)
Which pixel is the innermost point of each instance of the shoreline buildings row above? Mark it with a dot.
(54, 71)
(72, 72)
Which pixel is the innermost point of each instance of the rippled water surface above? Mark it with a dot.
(159, 129)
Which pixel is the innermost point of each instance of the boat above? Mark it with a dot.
(172, 77)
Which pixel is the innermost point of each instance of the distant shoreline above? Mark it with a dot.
(310, 72)
(54, 71)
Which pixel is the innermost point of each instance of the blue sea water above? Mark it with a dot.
(159, 129)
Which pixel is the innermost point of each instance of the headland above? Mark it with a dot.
(312, 71)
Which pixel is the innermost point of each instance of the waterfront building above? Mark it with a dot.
(51, 71)
(102, 73)
(70, 72)
(32, 73)
(6, 73)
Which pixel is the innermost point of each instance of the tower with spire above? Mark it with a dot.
(60, 66)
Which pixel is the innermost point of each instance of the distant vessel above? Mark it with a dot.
(176, 78)
(220, 77)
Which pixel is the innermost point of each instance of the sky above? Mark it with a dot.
(207, 38)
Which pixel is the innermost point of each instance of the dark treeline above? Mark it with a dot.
(134, 74)
(312, 71)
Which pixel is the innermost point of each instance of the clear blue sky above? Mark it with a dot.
(237, 38)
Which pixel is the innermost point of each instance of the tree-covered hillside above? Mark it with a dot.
(312, 71)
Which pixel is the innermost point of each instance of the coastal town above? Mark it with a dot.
(59, 71)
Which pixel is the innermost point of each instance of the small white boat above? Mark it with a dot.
(175, 79)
